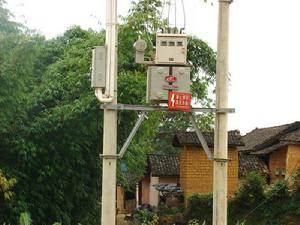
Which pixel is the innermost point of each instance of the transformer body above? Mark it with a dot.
(162, 79)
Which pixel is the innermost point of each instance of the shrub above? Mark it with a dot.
(251, 191)
(25, 219)
(146, 217)
(200, 208)
(250, 195)
(278, 204)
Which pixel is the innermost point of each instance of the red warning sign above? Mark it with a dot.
(179, 101)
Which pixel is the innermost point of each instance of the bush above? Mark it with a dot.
(250, 195)
(251, 191)
(200, 208)
(146, 217)
(278, 204)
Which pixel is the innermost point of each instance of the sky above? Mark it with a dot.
(263, 50)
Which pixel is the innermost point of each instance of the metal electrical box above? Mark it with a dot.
(171, 49)
(162, 79)
(98, 67)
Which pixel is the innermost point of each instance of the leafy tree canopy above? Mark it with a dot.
(50, 121)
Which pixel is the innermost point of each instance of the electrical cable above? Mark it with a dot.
(162, 10)
(184, 16)
(175, 14)
(169, 3)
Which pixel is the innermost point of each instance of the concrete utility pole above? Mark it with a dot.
(108, 215)
(221, 136)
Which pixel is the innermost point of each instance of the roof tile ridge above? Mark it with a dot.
(290, 127)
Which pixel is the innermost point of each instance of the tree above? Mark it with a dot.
(51, 127)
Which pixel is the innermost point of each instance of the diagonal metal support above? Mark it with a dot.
(201, 138)
(131, 135)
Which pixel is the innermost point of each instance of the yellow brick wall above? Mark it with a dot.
(293, 159)
(277, 160)
(145, 190)
(196, 171)
(120, 199)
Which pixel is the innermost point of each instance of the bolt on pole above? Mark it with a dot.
(221, 136)
(109, 165)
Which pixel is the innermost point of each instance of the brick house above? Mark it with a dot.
(126, 199)
(196, 170)
(277, 147)
(161, 169)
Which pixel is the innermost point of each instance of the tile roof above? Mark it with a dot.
(249, 163)
(266, 140)
(293, 137)
(259, 135)
(191, 139)
(163, 165)
(270, 149)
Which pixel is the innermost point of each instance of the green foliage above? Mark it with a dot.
(5, 186)
(6, 195)
(50, 122)
(146, 217)
(251, 191)
(278, 204)
(25, 219)
(194, 222)
(200, 208)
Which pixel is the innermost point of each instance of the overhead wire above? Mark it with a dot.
(184, 16)
(175, 6)
(169, 3)
(162, 9)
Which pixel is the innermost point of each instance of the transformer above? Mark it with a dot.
(169, 71)
(171, 49)
(162, 79)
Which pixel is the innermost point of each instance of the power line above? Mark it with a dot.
(169, 3)
(162, 10)
(184, 16)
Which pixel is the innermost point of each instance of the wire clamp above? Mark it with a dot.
(222, 160)
(108, 156)
(226, 1)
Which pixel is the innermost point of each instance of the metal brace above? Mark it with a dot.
(161, 108)
(146, 109)
(128, 140)
(201, 138)
(131, 135)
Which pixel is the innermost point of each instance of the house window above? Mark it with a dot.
(179, 43)
(163, 43)
(277, 171)
(171, 43)
(282, 172)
